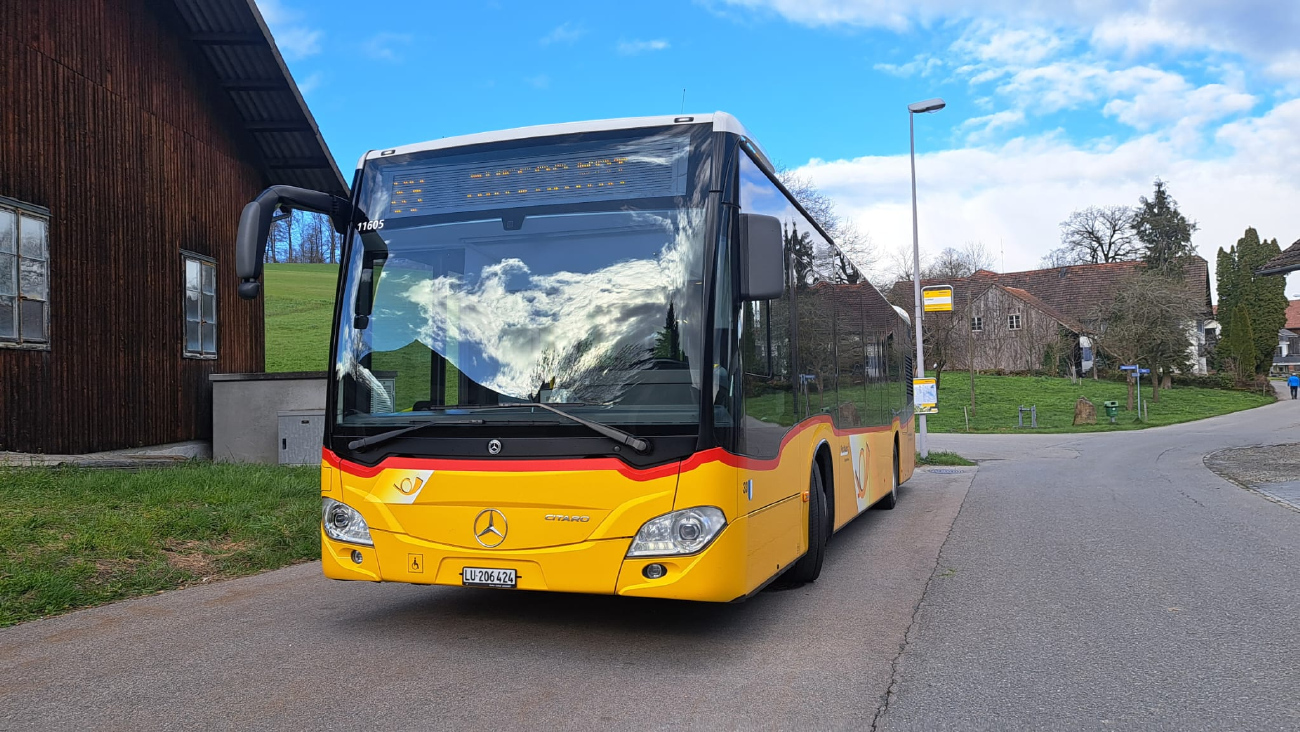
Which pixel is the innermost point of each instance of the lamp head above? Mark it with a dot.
(929, 105)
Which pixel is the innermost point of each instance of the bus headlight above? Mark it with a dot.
(681, 532)
(343, 523)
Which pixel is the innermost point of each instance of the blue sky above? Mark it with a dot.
(1053, 104)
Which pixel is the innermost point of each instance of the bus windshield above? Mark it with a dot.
(563, 271)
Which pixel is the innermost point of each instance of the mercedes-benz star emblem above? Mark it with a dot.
(494, 447)
(490, 528)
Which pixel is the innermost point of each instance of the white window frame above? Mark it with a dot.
(977, 324)
(1013, 321)
(205, 306)
(14, 256)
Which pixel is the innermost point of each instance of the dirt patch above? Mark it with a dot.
(108, 569)
(200, 558)
(1250, 466)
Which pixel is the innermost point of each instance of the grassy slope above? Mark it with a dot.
(76, 537)
(996, 399)
(299, 307)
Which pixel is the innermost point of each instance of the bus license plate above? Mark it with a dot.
(479, 577)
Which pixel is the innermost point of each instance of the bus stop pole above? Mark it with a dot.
(919, 371)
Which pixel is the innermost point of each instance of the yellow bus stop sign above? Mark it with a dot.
(937, 299)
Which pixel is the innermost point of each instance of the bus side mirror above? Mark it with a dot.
(255, 226)
(762, 258)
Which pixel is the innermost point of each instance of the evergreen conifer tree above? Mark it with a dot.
(1166, 234)
(1263, 299)
(1241, 342)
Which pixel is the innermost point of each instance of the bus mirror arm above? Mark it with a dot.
(762, 261)
(255, 226)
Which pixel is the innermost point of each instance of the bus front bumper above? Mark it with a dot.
(715, 574)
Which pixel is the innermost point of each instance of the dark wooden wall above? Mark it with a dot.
(110, 119)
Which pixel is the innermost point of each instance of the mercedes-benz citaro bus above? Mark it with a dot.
(608, 357)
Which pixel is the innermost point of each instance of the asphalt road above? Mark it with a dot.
(292, 650)
(1073, 582)
(1111, 581)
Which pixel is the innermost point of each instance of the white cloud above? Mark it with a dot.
(1134, 33)
(992, 43)
(299, 42)
(564, 33)
(980, 128)
(923, 65)
(294, 39)
(1261, 29)
(1142, 97)
(311, 83)
(1013, 196)
(1286, 66)
(387, 46)
(275, 13)
(632, 48)
(1056, 86)
(541, 81)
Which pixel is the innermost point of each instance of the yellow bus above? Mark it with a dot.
(611, 357)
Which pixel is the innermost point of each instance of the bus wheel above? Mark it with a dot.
(809, 565)
(891, 499)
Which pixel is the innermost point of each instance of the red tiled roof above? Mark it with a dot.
(1055, 314)
(1287, 261)
(1292, 315)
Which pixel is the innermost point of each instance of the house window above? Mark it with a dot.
(24, 275)
(1013, 321)
(200, 306)
(977, 323)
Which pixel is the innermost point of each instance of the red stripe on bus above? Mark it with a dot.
(699, 459)
(501, 466)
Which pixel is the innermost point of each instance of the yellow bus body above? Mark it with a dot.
(570, 522)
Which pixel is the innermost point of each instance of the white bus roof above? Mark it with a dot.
(721, 121)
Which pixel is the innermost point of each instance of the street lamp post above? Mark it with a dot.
(929, 105)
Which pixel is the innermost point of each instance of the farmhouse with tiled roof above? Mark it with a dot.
(1016, 318)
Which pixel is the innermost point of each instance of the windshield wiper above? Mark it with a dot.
(613, 433)
(364, 442)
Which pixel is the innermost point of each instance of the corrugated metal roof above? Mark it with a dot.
(232, 36)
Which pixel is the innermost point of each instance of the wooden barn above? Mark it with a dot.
(132, 133)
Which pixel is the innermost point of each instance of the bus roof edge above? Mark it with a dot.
(721, 121)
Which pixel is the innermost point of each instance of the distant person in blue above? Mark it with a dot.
(1294, 383)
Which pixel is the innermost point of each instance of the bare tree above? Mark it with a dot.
(955, 263)
(1147, 322)
(1099, 234)
(1057, 258)
(843, 231)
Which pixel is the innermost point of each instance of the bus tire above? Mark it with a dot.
(891, 498)
(809, 566)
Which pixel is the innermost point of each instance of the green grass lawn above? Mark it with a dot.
(996, 399)
(942, 458)
(75, 537)
(299, 308)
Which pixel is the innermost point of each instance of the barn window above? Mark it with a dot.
(977, 323)
(200, 306)
(1013, 321)
(24, 275)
